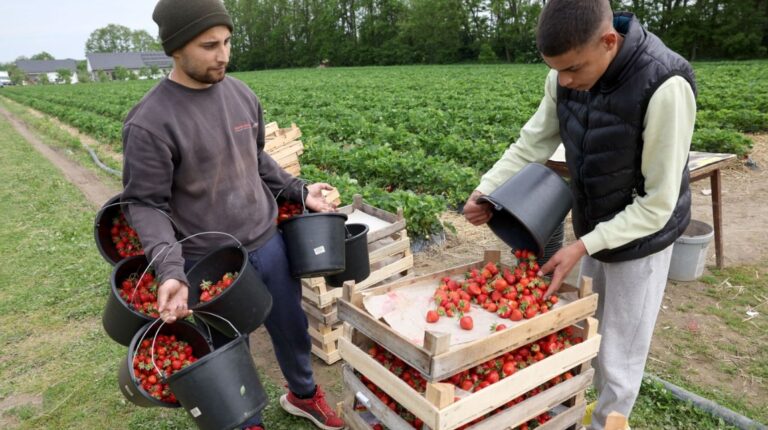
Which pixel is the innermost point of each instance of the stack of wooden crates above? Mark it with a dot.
(438, 360)
(388, 245)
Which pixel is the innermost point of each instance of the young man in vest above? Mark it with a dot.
(194, 149)
(623, 105)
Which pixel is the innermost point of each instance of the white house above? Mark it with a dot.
(34, 69)
(5, 79)
(134, 62)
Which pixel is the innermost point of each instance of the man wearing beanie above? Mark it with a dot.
(194, 153)
(623, 105)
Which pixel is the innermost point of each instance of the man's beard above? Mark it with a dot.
(209, 77)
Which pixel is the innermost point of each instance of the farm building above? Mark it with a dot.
(138, 63)
(35, 69)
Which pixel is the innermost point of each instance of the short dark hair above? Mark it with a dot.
(568, 24)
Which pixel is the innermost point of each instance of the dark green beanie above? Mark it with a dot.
(182, 20)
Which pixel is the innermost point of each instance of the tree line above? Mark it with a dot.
(305, 33)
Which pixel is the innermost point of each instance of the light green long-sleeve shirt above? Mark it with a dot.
(667, 131)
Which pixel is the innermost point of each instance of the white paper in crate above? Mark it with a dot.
(405, 310)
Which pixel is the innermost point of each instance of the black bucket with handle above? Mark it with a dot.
(529, 207)
(221, 390)
(315, 243)
(120, 320)
(245, 303)
(357, 264)
(103, 231)
(126, 377)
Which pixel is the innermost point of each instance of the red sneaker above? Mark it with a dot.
(259, 427)
(315, 409)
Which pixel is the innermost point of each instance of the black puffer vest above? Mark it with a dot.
(602, 131)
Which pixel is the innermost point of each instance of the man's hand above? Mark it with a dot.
(562, 263)
(172, 300)
(315, 200)
(477, 213)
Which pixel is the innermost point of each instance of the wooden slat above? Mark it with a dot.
(570, 417)
(385, 272)
(401, 245)
(328, 358)
(386, 416)
(391, 384)
(325, 338)
(534, 406)
(512, 386)
(327, 315)
(381, 333)
(321, 300)
(353, 419)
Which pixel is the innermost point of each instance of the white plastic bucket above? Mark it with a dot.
(690, 252)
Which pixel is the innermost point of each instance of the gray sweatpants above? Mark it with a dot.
(630, 297)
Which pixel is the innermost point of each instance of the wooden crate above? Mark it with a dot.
(438, 409)
(437, 359)
(283, 145)
(553, 398)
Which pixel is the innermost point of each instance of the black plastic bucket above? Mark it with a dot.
(221, 390)
(357, 265)
(315, 243)
(102, 230)
(127, 381)
(246, 302)
(120, 320)
(529, 207)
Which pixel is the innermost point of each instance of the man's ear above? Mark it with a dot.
(609, 40)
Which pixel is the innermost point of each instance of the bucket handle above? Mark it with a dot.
(151, 207)
(154, 338)
(303, 201)
(163, 249)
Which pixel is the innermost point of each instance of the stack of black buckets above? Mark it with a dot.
(221, 390)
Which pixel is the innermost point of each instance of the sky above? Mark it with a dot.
(61, 28)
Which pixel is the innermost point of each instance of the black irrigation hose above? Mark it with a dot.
(727, 415)
(101, 164)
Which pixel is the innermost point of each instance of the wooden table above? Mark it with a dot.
(701, 165)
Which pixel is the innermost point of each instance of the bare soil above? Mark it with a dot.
(745, 231)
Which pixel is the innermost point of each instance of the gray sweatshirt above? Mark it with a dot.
(198, 157)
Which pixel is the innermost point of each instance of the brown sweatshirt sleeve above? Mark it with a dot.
(147, 179)
(274, 176)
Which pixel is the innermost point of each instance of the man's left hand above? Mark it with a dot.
(561, 264)
(315, 200)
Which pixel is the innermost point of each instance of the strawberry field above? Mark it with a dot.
(416, 137)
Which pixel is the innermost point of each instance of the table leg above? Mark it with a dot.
(717, 217)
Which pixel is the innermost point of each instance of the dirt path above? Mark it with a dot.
(95, 191)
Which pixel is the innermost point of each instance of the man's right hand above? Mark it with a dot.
(475, 212)
(172, 300)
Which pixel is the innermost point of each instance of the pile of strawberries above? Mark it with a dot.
(209, 290)
(171, 355)
(287, 209)
(141, 293)
(125, 238)
(514, 294)
(480, 376)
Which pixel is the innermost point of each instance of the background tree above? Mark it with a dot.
(64, 76)
(43, 79)
(119, 38)
(42, 56)
(82, 72)
(121, 73)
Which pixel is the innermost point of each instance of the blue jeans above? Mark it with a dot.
(287, 324)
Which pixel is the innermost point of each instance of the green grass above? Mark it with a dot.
(57, 365)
